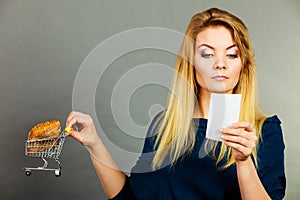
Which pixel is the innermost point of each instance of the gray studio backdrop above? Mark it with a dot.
(43, 44)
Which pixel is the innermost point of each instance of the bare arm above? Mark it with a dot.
(249, 182)
(111, 177)
(242, 138)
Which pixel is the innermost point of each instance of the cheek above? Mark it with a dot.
(235, 73)
(236, 68)
(203, 75)
(198, 78)
(203, 67)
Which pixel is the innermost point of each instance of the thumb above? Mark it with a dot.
(76, 135)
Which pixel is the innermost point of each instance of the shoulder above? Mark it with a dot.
(271, 132)
(271, 125)
(154, 124)
(144, 163)
(272, 119)
(152, 132)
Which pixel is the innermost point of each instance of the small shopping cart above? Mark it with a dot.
(45, 149)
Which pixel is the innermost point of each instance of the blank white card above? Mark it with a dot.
(224, 109)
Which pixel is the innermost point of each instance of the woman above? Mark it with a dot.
(248, 164)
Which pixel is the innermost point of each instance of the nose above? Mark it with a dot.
(220, 63)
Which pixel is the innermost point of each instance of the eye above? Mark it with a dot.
(232, 55)
(206, 55)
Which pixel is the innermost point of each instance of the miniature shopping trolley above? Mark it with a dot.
(45, 149)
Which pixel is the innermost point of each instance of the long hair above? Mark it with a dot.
(176, 135)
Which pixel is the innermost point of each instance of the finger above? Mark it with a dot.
(77, 121)
(75, 135)
(75, 113)
(69, 119)
(235, 139)
(249, 144)
(78, 118)
(242, 149)
(246, 125)
(237, 132)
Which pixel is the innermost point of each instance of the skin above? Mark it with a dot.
(111, 177)
(215, 54)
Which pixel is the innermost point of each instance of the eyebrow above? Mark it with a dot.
(206, 45)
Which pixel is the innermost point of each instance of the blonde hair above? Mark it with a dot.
(176, 135)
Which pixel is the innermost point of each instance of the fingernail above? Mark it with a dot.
(231, 125)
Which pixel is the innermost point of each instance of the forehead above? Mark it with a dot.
(215, 36)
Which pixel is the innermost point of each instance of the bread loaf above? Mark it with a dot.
(50, 129)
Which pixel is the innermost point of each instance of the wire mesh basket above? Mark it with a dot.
(45, 149)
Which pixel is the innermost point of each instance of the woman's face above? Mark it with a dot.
(217, 60)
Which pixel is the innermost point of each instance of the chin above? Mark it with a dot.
(221, 91)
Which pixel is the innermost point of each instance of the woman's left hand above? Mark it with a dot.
(242, 138)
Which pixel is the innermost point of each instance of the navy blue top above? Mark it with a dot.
(195, 177)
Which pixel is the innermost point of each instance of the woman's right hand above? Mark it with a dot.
(87, 134)
(110, 176)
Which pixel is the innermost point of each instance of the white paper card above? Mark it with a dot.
(224, 109)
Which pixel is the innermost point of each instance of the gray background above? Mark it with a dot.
(43, 43)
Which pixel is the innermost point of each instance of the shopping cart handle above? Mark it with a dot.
(68, 129)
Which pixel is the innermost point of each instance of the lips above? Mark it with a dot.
(220, 78)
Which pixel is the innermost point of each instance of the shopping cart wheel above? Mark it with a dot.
(57, 173)
(28, 172)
